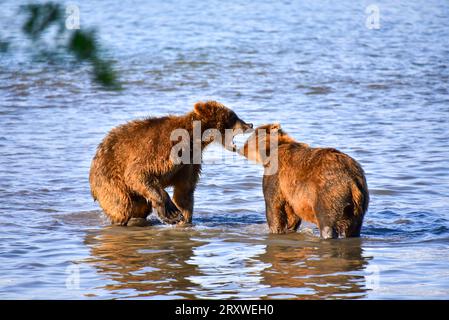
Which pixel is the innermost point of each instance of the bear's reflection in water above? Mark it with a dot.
(143, 261)
(166, 262)
(323, 269)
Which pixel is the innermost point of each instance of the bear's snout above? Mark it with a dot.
(242, 125)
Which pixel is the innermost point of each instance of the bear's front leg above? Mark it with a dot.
(293, 220)
(184, 184)
(274, 205)
(276, 217)
(184, 201)
(152, 191)
(167, 210)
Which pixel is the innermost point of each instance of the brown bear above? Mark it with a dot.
(320, 185)
(135, 163)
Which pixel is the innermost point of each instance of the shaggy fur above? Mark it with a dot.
(319, 185)
(132, 166)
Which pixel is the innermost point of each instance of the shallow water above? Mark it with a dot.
(379, 95)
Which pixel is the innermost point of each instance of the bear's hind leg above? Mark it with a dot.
(328, 232)
(326, 217)
(116, 204)
(141, 209)
(350, 224)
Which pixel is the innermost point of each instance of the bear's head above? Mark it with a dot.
(217, 118)
(263, 142)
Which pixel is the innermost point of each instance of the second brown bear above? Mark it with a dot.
(319, 185)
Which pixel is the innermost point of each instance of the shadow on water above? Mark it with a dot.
(198, 262)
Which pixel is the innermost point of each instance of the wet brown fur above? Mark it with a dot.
(320, 185)
(132, 166)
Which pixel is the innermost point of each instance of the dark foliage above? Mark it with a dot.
(82, 44)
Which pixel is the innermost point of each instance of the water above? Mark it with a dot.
(379, 95)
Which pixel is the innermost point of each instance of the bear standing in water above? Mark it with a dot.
(134, 164)
(319, 185)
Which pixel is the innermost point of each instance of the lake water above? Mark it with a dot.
(379, 95)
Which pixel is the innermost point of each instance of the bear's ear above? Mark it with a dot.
(275, 126)
(203, 109)
(199, 106)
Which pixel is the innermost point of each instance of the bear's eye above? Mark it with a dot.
(233, 118)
